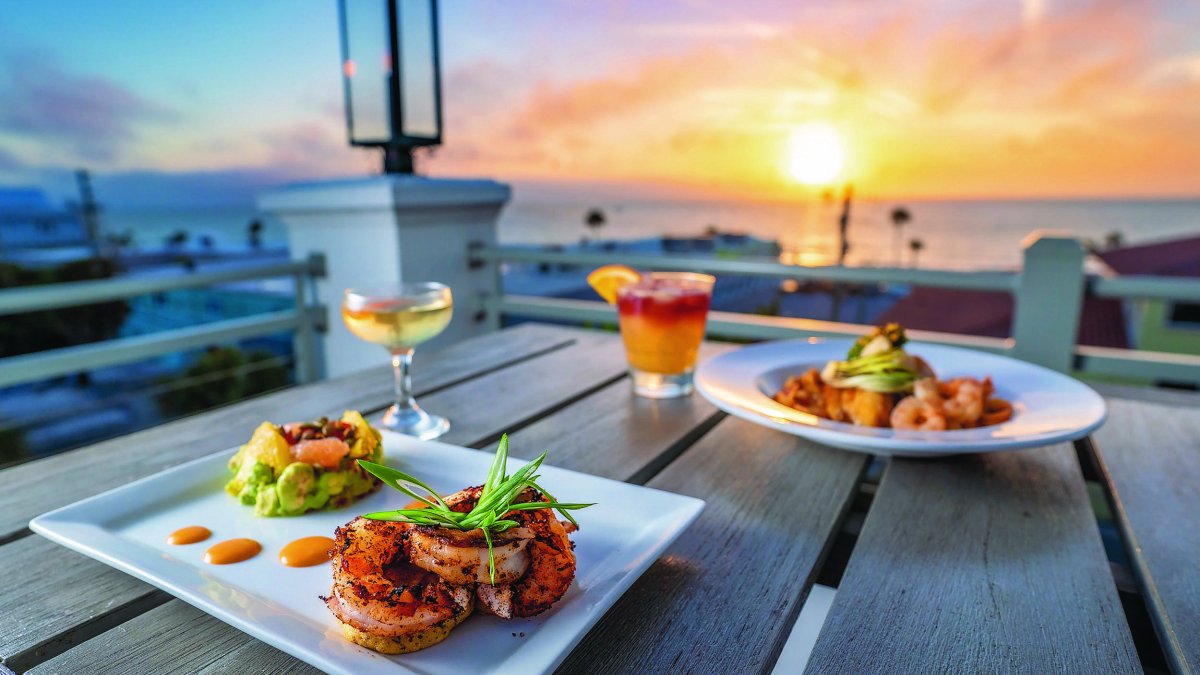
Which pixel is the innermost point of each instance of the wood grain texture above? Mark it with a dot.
(36, 487)
(724, 596)
(615, 434)
(979, 563)
(611, 431)
(1149, 456)
(483, 408)
(174, 638)
(1171, 397)
(50, 596)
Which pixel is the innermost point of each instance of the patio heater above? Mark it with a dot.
(391, 77)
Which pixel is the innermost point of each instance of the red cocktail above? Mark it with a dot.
(662, 323)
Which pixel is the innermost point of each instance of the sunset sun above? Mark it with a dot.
(815, 155)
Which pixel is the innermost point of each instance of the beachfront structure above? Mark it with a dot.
(35, 231)
(1161, 325)
(1056, 310)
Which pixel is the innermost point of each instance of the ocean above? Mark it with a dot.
(954, 234)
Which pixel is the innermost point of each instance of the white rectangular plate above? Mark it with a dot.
(627, 529)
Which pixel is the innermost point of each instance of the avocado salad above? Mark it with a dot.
(290, 469)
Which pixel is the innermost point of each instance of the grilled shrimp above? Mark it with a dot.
(965, 402)
(462, 557)
(551, 570)
(995, 411)
(926, 389)
(377, 590)
(546, 558)
(913, 413)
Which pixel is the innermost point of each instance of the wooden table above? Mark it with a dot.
(987, 563)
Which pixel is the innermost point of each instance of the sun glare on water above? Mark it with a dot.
(815, 154)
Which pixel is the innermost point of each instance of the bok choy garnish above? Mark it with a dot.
(877, 362)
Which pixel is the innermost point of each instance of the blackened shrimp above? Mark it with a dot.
(551, 570)
(462, 557)
(383, 601)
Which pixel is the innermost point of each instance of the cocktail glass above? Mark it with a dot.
(398, 317)
(662, 319)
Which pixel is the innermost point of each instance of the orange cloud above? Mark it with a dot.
(1094, 99)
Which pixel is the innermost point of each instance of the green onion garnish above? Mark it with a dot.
(495, 500)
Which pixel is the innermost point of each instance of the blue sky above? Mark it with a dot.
(253, 88)
(165, 100)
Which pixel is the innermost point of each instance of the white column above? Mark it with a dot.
(1049, 300)
(390, 228)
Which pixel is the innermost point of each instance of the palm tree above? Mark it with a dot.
(254, 233)
(177, 239)
(900, 218)
(595, 219)
(915, 245)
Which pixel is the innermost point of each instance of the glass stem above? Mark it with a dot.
(401, 368)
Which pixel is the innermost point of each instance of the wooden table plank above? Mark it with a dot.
(1149, 455)
(1166, 397)
(36, 487)
(615, 433)
(174, 638)
(483, 408)
(981, 563)
(48, 588)
(724, 596)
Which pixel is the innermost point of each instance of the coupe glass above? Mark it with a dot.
(398, 317)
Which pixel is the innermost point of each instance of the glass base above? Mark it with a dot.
(658, 385)
(414, 422)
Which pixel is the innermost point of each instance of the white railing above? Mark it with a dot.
(303, 320)
(1048, 294)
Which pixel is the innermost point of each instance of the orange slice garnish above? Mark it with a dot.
(608, 279)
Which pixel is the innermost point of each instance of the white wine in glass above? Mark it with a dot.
(398, 317)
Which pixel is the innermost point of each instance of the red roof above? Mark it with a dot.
(1176, 258)
(990, 314)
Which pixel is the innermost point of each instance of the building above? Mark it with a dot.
(990, 314)
(34, 231)
(1160, 325)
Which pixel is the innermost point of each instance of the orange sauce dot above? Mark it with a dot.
(188, 535)
(232, 551)
(306, 552)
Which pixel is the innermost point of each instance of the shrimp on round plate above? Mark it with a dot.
(915, 414)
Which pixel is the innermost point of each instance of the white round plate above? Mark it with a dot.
(1048, 407)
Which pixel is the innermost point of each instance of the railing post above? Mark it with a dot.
(304, 342)
(495, 299)
(1049, 300)
(490, 297)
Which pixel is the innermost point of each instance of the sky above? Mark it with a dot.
(198, 101)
